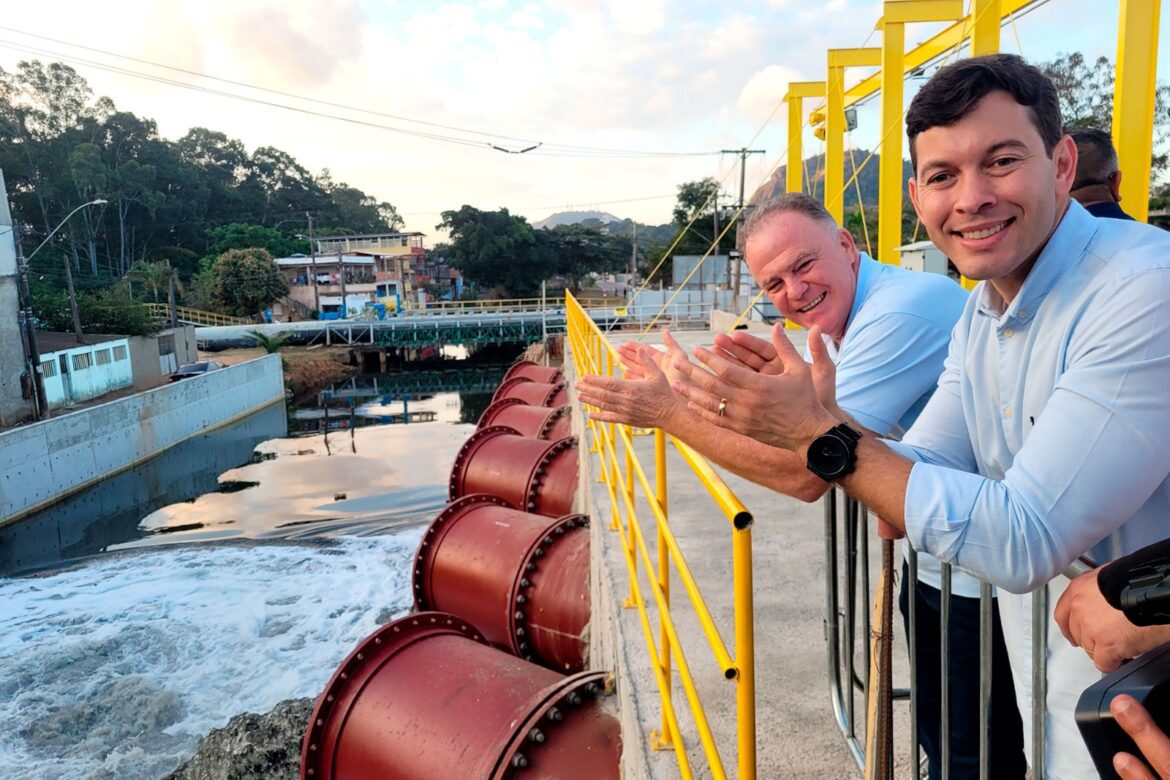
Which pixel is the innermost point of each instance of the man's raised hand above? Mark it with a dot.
(748, 351)
(780, 410)
(645, 403)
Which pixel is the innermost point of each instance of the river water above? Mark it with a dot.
(155, 623)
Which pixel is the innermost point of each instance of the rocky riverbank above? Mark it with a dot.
(252, 747)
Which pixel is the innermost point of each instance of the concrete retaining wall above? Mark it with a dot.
(46, 461)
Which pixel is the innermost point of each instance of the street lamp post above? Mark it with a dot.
(36, 373)
(68, 268)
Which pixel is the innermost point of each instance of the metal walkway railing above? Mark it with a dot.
(623, 474)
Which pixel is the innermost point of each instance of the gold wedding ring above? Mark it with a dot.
(722, 406)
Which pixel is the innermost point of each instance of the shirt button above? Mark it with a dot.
(1023, 313)
(1007, 412)
(1008, 333)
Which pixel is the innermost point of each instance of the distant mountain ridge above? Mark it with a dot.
(610, 225)
(814, 182)
(576, 218)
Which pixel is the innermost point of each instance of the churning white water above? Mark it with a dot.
(116, 668)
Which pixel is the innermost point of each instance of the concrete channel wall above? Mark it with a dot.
(46, 461)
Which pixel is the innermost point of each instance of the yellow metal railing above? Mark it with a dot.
(622, 472)
(160, 311)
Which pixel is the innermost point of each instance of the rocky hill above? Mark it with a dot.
(814, 181)
(576, 218)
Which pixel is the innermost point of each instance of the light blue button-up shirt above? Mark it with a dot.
(1049, 437)
(890, 358)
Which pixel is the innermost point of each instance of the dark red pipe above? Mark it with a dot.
(530, 474)
(535, 422)
(423, 698)
(532, 393)
(522, 578)
(537, 373)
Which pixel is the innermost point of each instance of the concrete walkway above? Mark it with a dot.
(797, 733)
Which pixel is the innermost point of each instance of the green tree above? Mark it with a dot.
(495, 249)
(242, 236)
(1086, 100)
(156, 276)
(112, 310)
(577, 250)
(246, 281)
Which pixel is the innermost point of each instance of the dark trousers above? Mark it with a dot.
(1007, 730)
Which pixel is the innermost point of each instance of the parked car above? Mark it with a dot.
(196, 369)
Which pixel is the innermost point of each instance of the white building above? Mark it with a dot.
(79, 371)
(923, 256)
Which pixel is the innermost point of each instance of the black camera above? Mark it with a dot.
(1147, 679)
(1145, 599)
(1143, 595)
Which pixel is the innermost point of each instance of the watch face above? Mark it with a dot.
(829, 455)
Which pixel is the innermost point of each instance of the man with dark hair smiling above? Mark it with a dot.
(1047, 437)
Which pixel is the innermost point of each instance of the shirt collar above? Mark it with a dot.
(1063, 250)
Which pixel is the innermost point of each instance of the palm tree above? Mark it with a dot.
(271, 343)
(157, 276)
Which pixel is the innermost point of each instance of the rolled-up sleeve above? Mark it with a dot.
(1099, 448)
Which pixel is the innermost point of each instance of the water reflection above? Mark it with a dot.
(109, 512)
(350, 467)
(362, 482)
(445, 391)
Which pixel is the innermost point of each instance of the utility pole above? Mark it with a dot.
(313, 263)
(72, 296)
(743, 153)
(30, 336)
(633, 258)
(171, 307)
(341, 271)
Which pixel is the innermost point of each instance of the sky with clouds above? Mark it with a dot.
(628, 98)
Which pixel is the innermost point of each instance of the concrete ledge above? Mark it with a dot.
(49, 460)
(722, 321)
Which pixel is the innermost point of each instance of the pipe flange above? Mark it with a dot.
(469, 447)
(519, 364)
(550, 454)
(494, 408)
(551, 421)
(507, 384)
(360, 665)
(556, 388)
(518, 627)
(539, 729)
(424, 554)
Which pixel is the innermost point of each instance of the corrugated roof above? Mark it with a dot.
(49, 341)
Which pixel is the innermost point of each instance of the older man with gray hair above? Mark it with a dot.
(887, 330)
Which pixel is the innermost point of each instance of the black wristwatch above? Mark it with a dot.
(833, 454)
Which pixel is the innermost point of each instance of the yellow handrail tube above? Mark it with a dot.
(591, 352)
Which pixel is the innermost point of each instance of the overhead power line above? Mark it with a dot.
(548, 149)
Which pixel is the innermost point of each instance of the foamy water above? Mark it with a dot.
(116, 668)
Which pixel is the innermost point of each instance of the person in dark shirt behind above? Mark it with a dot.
(1097, 185)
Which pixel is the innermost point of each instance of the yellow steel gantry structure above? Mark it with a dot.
(591, 352)
(979, 30)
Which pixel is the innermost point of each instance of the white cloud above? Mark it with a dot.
(639, 17)
(764, 91)
(735, 35)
